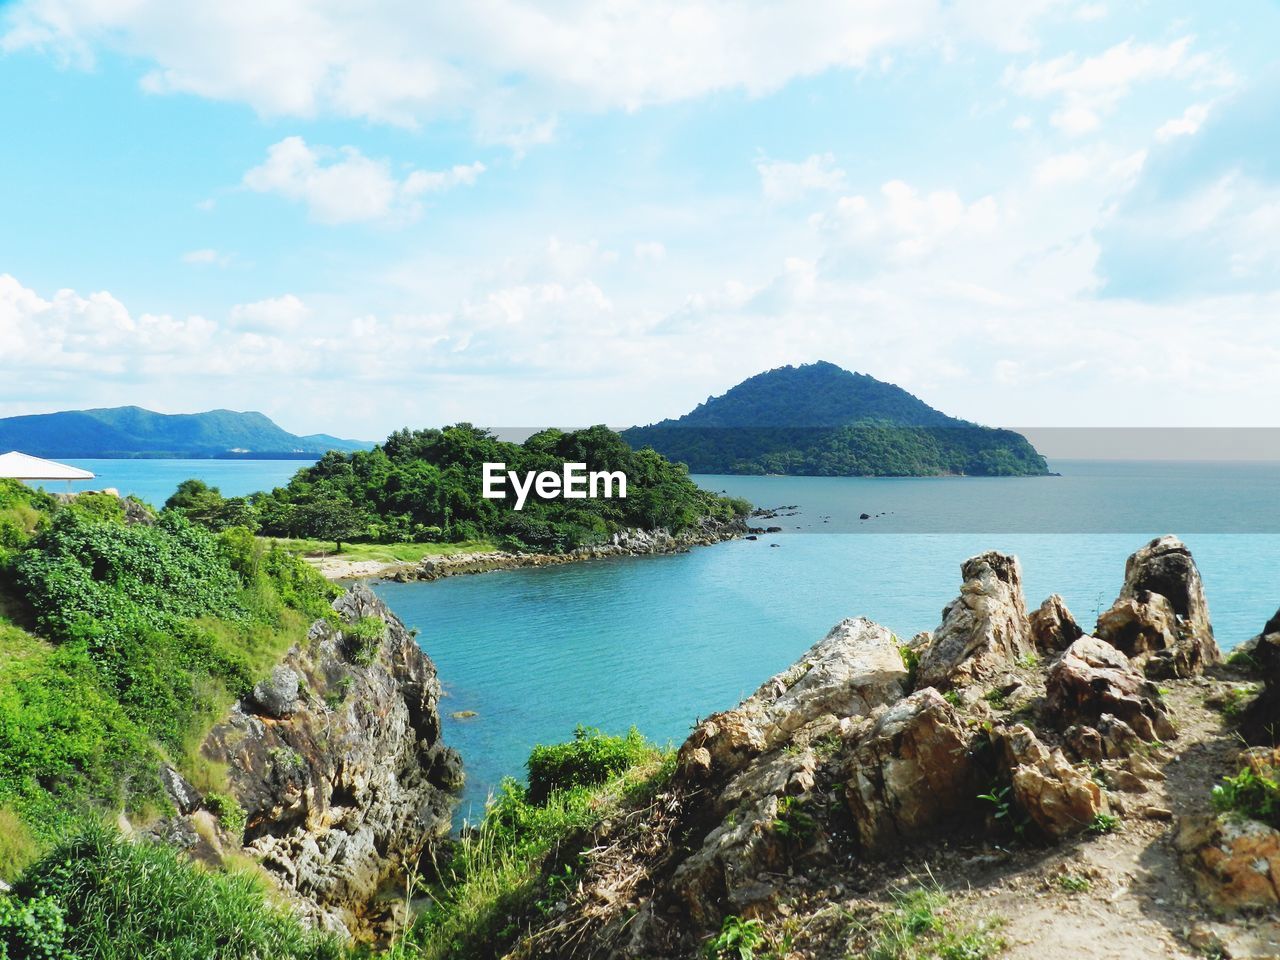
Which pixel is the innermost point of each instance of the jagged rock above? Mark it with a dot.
(1234, 862)
(727, 872)
(984, 630)
(1261, 720)
(1058, 798)
(277, 696)
(1161, 617)
(910, 772)
(1093, 678)
(185, 797)
(1052, 626)
(356, 781)
(1109, 738)
(854, 669)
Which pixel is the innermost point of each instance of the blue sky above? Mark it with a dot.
(1028, 213)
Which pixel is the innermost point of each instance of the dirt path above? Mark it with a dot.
(1123, 894)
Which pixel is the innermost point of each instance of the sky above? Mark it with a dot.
(355, 218)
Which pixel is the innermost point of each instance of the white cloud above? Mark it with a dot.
(904, 223)
(1091, 87)
(1063, 168)
(1191, 120)
(284, 314)
(427, 181)
(406, 63)
(206, 257)
(345, 186)
(650, 251)
(784, 181)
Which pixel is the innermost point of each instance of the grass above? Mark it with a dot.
(120, 900)
(383, 552)
(1103, 823)
(1074, 883)
(511, 870)
(1253, 793)
(922, 925)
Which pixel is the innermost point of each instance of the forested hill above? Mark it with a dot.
(134, 432)
(426, 486)
(818, 419)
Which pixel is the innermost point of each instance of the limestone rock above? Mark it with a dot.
(354, 780)
(1235, 862)
(277, 696)
(1058, 798)
(854, 669)
(910, 772)
(1161, 617)
(983, 630)
(1093, 678)
(1052, 627)
(185, 797)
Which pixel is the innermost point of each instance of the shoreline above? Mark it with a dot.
(628, 543)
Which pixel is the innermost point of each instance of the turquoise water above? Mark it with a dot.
(660, 641)
(155, 480)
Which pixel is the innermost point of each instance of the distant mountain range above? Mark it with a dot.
(818, 419)
(127, 432)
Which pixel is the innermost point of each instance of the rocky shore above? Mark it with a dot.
(1052, 786)
(336, 779)
(627, 543)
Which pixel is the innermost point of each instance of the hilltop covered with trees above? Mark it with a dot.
(819, 420)
(426, 486)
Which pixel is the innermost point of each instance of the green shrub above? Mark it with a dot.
(103, 507)
(1253, 793)
(123, 900)
(363, 639)
(591, 757)
(32, 930)
(228, 811)
(514, 864)
(737, 940)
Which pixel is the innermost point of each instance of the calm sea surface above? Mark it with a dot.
(660, 641)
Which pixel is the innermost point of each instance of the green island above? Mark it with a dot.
(424, 488)
(820, 420)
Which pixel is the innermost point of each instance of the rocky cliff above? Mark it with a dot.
(337, 781)
(1012, 760)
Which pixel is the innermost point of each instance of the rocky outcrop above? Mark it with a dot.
(748, 770)
(339, 765)
(910, 772)
(1234, 862)
(1057, 797)
(1261, 720)
(1093, 679)
(854, 669)
(1161, 618)
(984, 630)
(1053, 629)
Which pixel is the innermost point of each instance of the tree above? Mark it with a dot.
(329, 519)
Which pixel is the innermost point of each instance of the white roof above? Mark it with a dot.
(20, 466)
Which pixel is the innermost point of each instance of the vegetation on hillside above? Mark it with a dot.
(426, 486)
(97, 895)
(507, 874)
(119, 646)
(820, 420)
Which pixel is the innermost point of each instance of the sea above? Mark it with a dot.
(658, 642)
